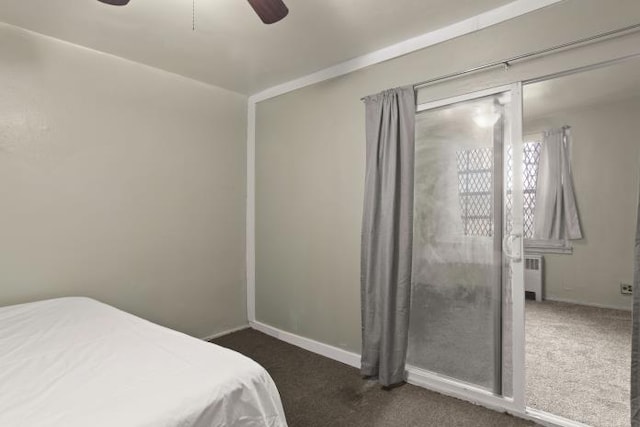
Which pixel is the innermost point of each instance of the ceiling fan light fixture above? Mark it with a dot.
(115, 2)
(269, 11)
(486, 119)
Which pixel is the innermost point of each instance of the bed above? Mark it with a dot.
(78, 362)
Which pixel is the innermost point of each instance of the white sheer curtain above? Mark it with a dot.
(556, 213)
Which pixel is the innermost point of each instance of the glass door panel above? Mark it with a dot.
(460, 283)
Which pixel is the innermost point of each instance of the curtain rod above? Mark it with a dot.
(507, 62)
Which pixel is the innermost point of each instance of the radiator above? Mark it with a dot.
(533, 274)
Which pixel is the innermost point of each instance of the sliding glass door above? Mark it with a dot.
(465, 214)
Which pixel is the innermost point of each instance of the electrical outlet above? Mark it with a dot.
(626, 289)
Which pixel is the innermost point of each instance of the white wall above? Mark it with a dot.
(120, 182)
(310, 160)
(605, 162)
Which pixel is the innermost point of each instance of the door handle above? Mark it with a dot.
(512, 247)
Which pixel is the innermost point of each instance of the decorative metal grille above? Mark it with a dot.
(475, 187)
(530, 181)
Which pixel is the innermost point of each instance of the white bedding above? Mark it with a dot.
(77, 362)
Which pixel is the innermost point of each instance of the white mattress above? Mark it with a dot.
(77, 362)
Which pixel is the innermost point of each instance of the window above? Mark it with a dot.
(475, 189)
(531, 159)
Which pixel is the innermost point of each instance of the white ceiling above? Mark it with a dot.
(231, 47)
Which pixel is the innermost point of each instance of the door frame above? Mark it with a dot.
(448, 385)
(498, 189)
(515, 404)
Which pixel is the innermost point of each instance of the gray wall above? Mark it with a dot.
(122, 183)
(310, 160)
(605, 158)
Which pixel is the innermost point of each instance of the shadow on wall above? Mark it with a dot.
(18, 49)
(22, 118)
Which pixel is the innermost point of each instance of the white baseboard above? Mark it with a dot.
(588, 304)
(326, 350)
(550, 420)
(227, 332)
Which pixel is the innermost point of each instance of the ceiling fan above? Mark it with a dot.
(269, 11)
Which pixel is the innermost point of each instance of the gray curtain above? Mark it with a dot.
(635, 348)
(556, 213)
(387, 229)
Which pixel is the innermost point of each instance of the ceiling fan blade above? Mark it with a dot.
(269, 11)
(115, 2)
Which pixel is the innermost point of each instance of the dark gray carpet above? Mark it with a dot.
(317, 391)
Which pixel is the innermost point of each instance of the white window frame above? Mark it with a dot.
(538, 246)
